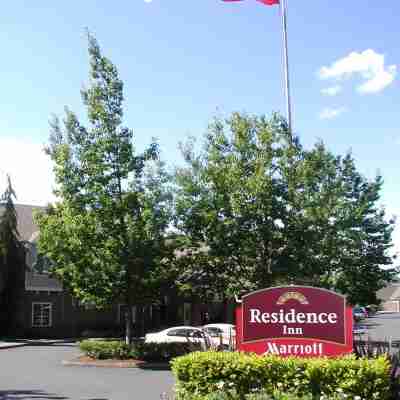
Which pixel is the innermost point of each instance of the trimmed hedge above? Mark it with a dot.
(158, 352)
(163, 352)
(202, 374)
(104, 350)
(277, 395)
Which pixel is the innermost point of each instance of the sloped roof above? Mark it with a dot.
(34, 281)
(390, 292)
(27, 228)
(29, 232)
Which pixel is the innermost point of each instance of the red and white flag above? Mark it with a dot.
(266, 2)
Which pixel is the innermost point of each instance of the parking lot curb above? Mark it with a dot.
(116, 364)
(4, 346)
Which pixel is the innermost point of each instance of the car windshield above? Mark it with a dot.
(213, 331)
(183, 332)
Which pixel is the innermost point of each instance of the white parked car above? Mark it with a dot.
(221, 334)
(180, 334)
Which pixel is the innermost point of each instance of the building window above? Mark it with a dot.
(41, 315)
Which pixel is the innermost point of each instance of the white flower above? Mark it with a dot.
(220, 385)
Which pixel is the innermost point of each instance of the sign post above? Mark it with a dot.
(297, 321)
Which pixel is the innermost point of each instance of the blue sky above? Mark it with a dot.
(181, 61)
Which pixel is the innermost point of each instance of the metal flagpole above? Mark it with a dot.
(286, 65)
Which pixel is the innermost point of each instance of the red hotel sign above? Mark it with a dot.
(294, 320)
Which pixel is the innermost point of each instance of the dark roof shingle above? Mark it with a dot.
(27, 228)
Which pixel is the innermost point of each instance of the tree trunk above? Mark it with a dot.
(139, 331)
(128, 324)
(225, 309)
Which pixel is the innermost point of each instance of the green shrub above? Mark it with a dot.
(163, 352)
(278, 396)
(262, 395)
(102, 350)
(159, 352)
(205, 373)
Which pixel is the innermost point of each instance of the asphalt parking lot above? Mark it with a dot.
(382, 326)
(36, 372)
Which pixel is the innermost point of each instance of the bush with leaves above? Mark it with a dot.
(103, 350)
(277, 395)
(163, 352)
(118, 350)
(205, 373)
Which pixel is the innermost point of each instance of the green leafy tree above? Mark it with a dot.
(345, 236)
(12, 263)
(268, 212)
(106, 235)
(230, 203)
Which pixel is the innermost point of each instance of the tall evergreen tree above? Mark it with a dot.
(106, 236)
(12, 263)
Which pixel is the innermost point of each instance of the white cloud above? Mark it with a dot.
(148, 1)
(330, 113)
(331, 91)
(367, 64)
(29, 168)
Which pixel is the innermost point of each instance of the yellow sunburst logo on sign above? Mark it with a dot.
(292, 296)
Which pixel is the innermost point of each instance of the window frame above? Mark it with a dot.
(42, 303)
